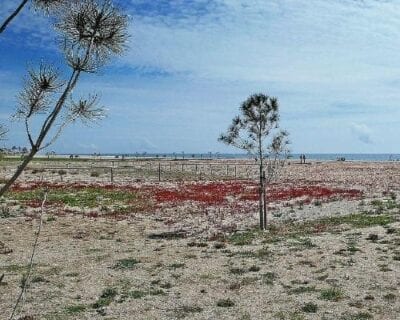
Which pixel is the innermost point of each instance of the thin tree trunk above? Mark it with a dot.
(260, 203)
(13, 15)
(265, 200)
(18, 172)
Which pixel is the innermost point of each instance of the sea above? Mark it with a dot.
(367, 157)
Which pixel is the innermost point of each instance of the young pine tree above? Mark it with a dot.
(91, 32)
(256, 130)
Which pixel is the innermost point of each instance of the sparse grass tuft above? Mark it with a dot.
(254, 269)
(269, 278)
(128, 263)
(242, 238)
(237, 271)
(186, 310)
(106, 297)
(137, 294)
(332, 294)
(302, 289)
(310, 307)
(73, 310)
(358, 316)
(225, 303)
(390, 297)
(176, 265)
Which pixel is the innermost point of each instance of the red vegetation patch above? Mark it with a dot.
(218, 192)
(314, 192)
(211, 193)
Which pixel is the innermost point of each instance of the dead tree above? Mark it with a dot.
(91, 32)
(256, 131)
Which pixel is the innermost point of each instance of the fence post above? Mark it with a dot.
(235, 172)
(159, 171)
(112, 175)
(227, 171)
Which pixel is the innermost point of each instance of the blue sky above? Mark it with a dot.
(333, 64)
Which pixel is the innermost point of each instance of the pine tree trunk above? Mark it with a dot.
(12, 16)
(260, 194)
(18, 172)
(265, 200)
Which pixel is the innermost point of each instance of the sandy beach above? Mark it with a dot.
(188, 246)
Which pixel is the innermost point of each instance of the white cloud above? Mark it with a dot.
(329, 63)
(362, 132)
(316, 41)
(28, 21)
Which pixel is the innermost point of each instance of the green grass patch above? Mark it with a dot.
(72, 310)
(137, 294)
(89, 197)
(14, 268)
(128, 263)
(357, 316)
(225, 303)
(176, 265)
(297, 231)
(268, 278)
(237, 271)
(332, 294)
(157, 292)
(243, 238)
(186, 310)
(106, 297)
(310, 307)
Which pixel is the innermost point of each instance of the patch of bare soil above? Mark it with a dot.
(327, 258)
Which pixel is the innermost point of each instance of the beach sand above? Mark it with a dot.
(189, 248)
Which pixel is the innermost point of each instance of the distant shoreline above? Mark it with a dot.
(221, 157)
(380, 157)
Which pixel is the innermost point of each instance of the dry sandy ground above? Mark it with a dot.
(145, 267)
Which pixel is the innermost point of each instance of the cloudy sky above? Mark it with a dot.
(333, 64)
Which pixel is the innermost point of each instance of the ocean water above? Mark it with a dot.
(372, 157)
